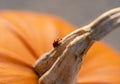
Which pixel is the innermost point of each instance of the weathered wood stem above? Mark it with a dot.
(61, 64)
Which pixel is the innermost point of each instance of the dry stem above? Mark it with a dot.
(61, 65)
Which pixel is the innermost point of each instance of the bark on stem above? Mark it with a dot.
(55, 66)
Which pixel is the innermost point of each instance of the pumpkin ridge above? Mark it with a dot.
(10, 57)
(21, 37)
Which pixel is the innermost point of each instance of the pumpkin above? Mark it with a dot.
(25, 36)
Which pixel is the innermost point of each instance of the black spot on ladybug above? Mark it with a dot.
(56, 43)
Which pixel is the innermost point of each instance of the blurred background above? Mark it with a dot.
(77, 12)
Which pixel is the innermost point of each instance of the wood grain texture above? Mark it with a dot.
(72, 50)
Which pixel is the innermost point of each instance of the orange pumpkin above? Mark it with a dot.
(24, 36)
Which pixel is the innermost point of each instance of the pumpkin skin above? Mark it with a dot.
(24, 36)
(100, 66)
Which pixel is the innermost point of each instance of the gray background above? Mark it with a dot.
(78, 12)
